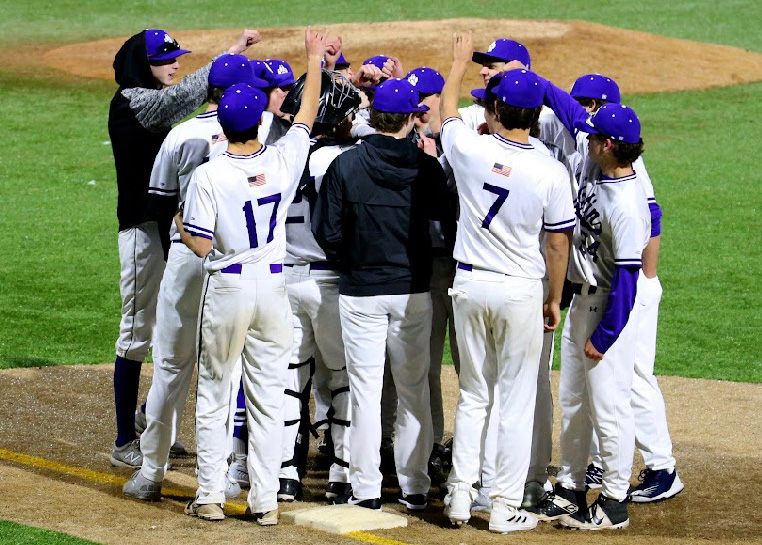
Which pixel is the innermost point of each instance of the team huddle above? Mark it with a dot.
(320, 236)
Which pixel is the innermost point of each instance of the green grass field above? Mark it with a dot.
(59, 281)
(18, 534)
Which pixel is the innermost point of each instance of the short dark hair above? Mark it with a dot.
(386, 121)
(242, 137)
(625, 153)
(513, 117)
(214, 94)
(587, 102)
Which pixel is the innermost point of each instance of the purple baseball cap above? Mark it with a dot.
(277, 73)
(241, 107)
(503, 51)
(487, 93)
(341, 62)
(397, 96)
(378, 61)
(230, 69)
(160, 46)
(426, 80)
(616, 121)
(520, 88)
(596, 86)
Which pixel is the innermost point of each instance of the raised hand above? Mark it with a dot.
(462, 46)
(314, 42)
(247, 38)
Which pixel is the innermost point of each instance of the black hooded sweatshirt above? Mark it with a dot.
(140, 116)
(372, 216)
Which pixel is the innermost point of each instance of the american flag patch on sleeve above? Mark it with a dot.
(218, 138)
(501, 169)
(257, 180)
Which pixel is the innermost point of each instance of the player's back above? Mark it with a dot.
(301, 246)
(242, 200)
(508, 192)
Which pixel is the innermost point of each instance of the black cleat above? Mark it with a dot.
(290, 490)
(561, 502)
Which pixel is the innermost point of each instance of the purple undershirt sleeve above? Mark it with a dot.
(567, 109)
(620, 303)
(656, 215)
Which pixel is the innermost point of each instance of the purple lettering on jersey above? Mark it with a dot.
(251, 223)
(275, 199)
(502, 195)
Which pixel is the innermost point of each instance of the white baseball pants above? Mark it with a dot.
(243, 314)
(596, 395)
(373, 326)
(651, 431)
(542, 430)
(142, 265)
(174, 355)
(314, 298)
(499, 323)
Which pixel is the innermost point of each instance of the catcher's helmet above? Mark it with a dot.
(338, 98)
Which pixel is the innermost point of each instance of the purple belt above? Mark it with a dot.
(236, 268)
(465, 267)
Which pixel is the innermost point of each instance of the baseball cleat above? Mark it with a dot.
(413, 502)
(178, 450)
(205, 511)
(140, 488)
(559, 503)
(290, 490)
(656, 485)
(128, 455)
(270, 518)
(481, 503)
(373, 503)
(593, 476)
(458, 503)
(239, 473)
(533, 493)
(505, 518)
(603, 514)
(232, 489)
(336, 490)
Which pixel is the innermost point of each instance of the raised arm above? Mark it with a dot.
(568, 110)
(462, 49)
(314, 43)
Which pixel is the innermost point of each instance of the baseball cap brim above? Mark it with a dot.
(480, 93)
(483, 58)
(169, 55)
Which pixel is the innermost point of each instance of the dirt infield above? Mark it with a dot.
(561, 50)
(64, 417)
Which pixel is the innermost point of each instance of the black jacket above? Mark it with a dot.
(140, 116)
(372, 216)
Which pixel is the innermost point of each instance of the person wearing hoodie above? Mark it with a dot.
(141, 114)
(372, 217)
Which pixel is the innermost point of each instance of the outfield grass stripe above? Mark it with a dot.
(107, 478)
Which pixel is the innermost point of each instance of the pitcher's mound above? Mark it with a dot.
(560, 50)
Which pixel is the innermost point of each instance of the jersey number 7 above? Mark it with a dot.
(502, 195)
(251, 224)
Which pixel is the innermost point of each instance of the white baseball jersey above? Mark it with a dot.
(508, 192)
(301, 246)
(613, 228)
(185, 148)
(239, 201)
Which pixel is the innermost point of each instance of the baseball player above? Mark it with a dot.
(312, 283)
(497, 293)
(280, 79)
(185, 148)
(141, 114)
(429, 83)
(659, 480)
(597, 357)
(372, 215)
(235, 219)
(500, 56)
